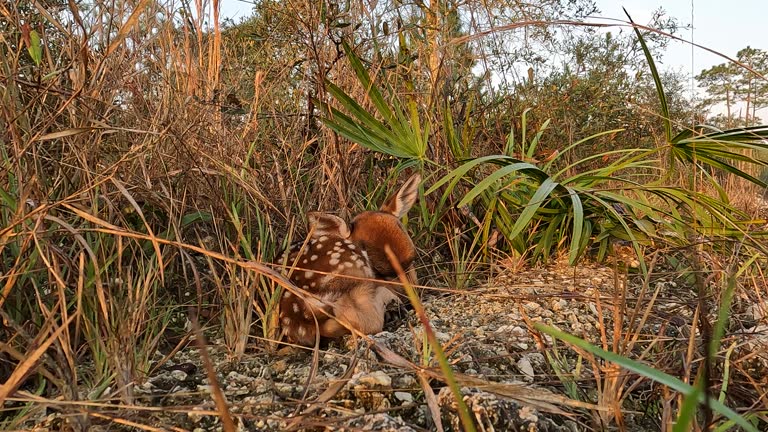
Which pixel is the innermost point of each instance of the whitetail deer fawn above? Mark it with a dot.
(338, 264)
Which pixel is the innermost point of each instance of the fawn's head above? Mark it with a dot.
(374, 230)
(327, 225)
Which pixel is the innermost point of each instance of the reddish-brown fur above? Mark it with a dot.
(376, 229)
(337, 266)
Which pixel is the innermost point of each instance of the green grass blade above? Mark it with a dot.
(547, 186)
(365, 80)
(536, 138)
(492, 179)
(455, 175)
(665, 118)
(571, 146)
(646, 371)
(524, 132)
(578, 224)
(687, 414)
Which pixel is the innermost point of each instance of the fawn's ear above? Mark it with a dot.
(402, 201)
(324, 224)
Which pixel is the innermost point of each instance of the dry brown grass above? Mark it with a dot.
(145, 175)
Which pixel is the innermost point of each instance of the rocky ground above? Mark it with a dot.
(511, 376)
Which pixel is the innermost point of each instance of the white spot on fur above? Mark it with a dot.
(296, 308)
(350, 245)
(309, 274)
(301, 331)
(336, 255)
(338, 243)
(333, 261)
(313, 258)
(286, 295)
(304, 261)
(319, 246)
(348, 264)
(286, 321)
(323, 239)
(313, 284)
(305, 287)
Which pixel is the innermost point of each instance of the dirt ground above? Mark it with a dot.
(508, 372)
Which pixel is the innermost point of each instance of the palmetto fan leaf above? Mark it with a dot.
(719, 149)
(398, 133)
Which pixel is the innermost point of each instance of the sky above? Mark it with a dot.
(723, 26)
